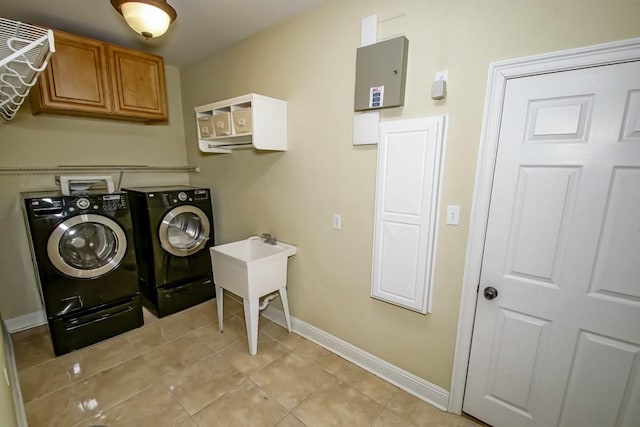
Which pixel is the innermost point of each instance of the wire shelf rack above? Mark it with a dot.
(28, 170)
(24, 53)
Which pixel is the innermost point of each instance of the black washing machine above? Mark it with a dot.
(173, 230)
(82, 247)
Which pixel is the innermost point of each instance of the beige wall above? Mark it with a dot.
(7, 410)
(54, 140)
(310, 62)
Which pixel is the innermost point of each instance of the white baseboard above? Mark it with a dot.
(26, 321)
(11, 375)
(420, 388)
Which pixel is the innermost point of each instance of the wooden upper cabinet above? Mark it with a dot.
(88, 77)
(77, 78)
(138, 84)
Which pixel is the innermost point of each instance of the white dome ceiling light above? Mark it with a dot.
(149, 18)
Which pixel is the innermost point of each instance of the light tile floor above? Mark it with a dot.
(180, 371)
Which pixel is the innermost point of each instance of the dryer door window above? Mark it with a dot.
(184, 231)
(87, 246)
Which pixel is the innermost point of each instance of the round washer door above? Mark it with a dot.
(184, 230)
(87, 246)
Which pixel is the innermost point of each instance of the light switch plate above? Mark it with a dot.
(453, 214)
(337, 221)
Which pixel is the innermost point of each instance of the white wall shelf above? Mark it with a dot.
(248, 121)
(24, 54)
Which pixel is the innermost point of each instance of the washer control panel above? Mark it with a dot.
(104, 203)
(63, 205)
(170, 198)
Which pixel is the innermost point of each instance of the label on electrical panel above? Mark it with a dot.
(376, 96)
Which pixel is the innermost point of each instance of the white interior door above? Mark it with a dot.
(560, 344)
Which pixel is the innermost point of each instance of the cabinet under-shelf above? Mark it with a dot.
(248, 121)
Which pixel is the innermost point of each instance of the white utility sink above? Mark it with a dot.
(251, 269)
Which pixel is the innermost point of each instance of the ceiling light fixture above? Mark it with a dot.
(150, 18)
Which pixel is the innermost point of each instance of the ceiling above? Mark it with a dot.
(202, 26)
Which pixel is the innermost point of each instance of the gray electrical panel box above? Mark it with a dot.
(381, 71)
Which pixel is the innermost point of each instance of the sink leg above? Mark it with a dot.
(220, 308)
(285, 306)
(251, 313)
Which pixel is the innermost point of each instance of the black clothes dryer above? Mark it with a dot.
(82, 247)
(173, 230)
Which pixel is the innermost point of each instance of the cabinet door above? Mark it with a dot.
(138, 84)
(76, 79)
(407, 184)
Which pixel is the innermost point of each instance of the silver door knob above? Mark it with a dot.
(490, 292)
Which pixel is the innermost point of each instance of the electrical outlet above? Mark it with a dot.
(442, 75)
(337, 221)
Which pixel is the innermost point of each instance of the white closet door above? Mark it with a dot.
(408, 179)
(558, 342)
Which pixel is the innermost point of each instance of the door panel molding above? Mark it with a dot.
(499, 74)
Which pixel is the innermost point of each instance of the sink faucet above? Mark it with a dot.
(268, 238)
